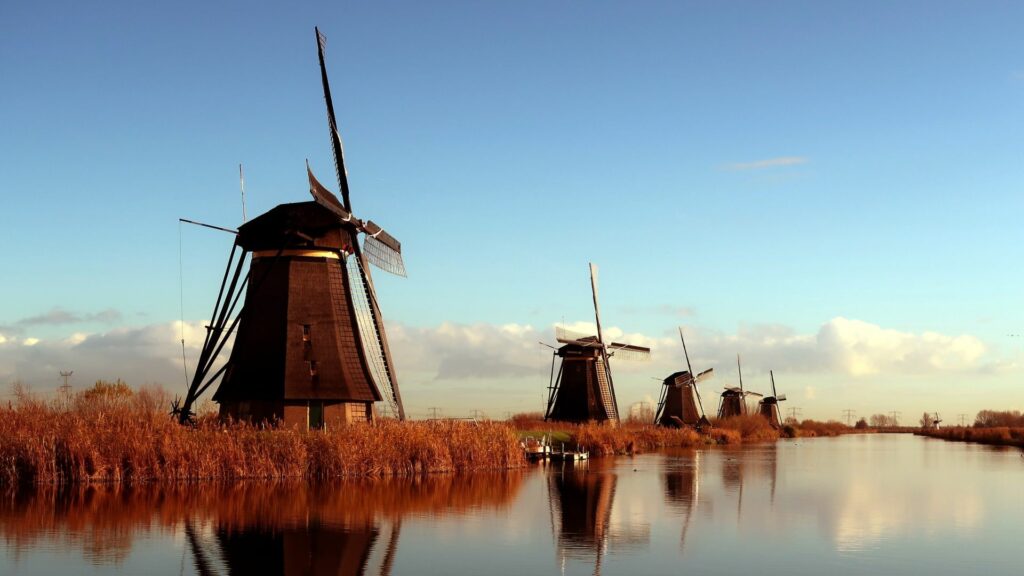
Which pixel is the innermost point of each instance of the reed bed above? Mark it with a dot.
(627, 438)
(817, 429)
(995, 436)
(750, 427)
(119, 440)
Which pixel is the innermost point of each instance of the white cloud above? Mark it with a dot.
(138, 355)
(767, 163)
(498, 367)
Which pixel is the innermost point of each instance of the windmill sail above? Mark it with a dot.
(373, 337)
(383, 250)
(629, 351)
(336, 147)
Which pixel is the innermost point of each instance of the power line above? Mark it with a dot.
(66, 387)
(895, 417)
(795, 412)
(434, 412)
(849, 414)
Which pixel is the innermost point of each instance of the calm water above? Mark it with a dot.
(883, 504)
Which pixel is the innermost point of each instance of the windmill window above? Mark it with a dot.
(306, 329)
(312, 367)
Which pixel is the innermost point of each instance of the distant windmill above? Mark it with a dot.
(680, 404)
(733, 401)
(936, 421)
(583, 389)
(769, 407)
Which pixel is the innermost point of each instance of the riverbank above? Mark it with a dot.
(995, 436)
(630, 438)
(121, 442)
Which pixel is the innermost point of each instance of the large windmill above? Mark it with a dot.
(310, 345)
(733, 401)
(680, 404)
(769, 407)
(583, 390)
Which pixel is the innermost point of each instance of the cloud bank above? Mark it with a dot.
(452, 363)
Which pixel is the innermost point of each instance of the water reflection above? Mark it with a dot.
(585, 520)
(682, 486)
(247, 528)
(315, 549)
(880, 504)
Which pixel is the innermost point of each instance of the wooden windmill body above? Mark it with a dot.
(310, 347)
(769, 406)
(733, 401)
(680, 404)
(583, 390)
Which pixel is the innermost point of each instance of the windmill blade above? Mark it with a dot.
(597, 308)
(685, 353)
(374, 230)
(372, 335)
(780, 398)
(336, 147)
(325, 197)
(705, 375)
(629, 351)
(739, 370)
(772, 376)
(383, 250)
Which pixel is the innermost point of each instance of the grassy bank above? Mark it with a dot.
(636, 438)
(996, 436)
(127, 439)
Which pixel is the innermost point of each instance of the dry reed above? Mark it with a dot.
(996, 436)
(119, 440)
(751, 427)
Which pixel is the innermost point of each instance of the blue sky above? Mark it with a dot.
(761, 165)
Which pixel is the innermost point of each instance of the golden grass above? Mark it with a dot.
(120, 440)
(997, 436)
(814, 428)
(751, 427)
(626, 438)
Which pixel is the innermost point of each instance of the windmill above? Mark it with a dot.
(583, 390)
(680, 404)
(310, 345)
(769, 407)
(936, 421)
(733, 401)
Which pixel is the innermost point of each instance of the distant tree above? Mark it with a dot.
(882, 421)
(994, 418)
(861, 424)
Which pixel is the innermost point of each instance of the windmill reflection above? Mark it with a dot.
(311, 549)
(756, 466)
(682, 486)
(346, 528)
(582, 502)
(333, 528)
